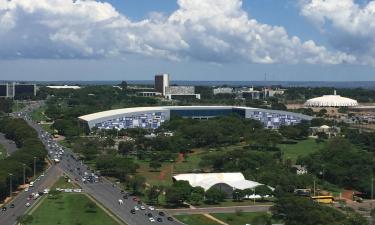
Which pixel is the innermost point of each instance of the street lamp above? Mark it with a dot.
(24, 173)
(10, 184)
(34, 166)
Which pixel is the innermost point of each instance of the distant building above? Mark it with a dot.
(227, 182)
(181, 92)
(148, 94)
(250, 93)
(4, 90)
(300, 170)
(24, 90)
(11, 90)
(223, 90)
(331, 101)
(329, 131)
(64, 87)
(161, 83)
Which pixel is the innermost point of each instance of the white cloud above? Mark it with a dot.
(215, 31)
(350, 26)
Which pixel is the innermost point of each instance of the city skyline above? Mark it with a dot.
(237, 40)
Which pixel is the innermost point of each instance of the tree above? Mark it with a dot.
(215, 195)
(155, 165)
(238, 195)
(153, 194)
(263, 190)
(25, 219)
(137, 183)
(196, 198)
(263, 219)
(124, 85)
(179, 192)
(125, 147)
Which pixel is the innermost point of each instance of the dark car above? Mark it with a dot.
(149, 215)
(161, 214)
(159, 219)
(170, 218)
(11, 206)
(132, 211)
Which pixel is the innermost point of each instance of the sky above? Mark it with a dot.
(234, 40)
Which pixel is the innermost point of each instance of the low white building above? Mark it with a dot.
(227, 182)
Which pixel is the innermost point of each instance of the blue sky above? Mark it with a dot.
(285, 39)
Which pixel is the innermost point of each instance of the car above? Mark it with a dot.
(132, 211)
(143, 207)
(152, 220)
(27, 204)
(11, 206)
(26, 189)
(149, 215)
(161, 213)
(170, 218)
(136, 208)
(152, 208)
(135, 199)
(4, 208)
(159, 219)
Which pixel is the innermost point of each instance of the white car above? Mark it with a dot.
(136, 208)
(143, 207)
(27, 204)
(151, 208)
(152, 220)
(26, 189)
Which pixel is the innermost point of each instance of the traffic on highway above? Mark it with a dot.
(128, 208)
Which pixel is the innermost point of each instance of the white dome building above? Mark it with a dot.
(331, 101)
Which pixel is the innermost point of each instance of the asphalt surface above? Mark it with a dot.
(9, 145)
(231, 209)
(99, 188)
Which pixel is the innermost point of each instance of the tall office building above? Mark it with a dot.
(161, 83)
(3, 90)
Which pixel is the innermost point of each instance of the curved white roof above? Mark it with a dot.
(207, 180)
(331, 101)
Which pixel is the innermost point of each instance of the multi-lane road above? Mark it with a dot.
(101, 190)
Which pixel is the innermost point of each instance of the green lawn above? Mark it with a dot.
(196, 220)
(38, 114)
(238, 219)
(48, 128)
(70, 209)
(302, 148)
(62, 182)
(3, 152)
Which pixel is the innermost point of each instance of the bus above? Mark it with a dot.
(325, 199)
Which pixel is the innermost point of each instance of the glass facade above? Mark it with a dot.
(152, 120)
(199, 113)
(142, 120)
(274, 120)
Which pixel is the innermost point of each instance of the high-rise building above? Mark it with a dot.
(161, 83)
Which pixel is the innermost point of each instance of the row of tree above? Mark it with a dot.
(30, 149)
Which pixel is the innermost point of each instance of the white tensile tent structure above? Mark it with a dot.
(331, 101)
(207, 180)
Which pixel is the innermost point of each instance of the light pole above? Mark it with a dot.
(24, 173)
(34, 166)
(10, 184)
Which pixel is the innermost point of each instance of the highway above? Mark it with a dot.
(99, 188)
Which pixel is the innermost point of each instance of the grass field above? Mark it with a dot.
(48, 128)
(238, 219)
(70, 209)
(196, 220)
(302, 148)
(3, 152)
(38, 114)
(62, 182)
